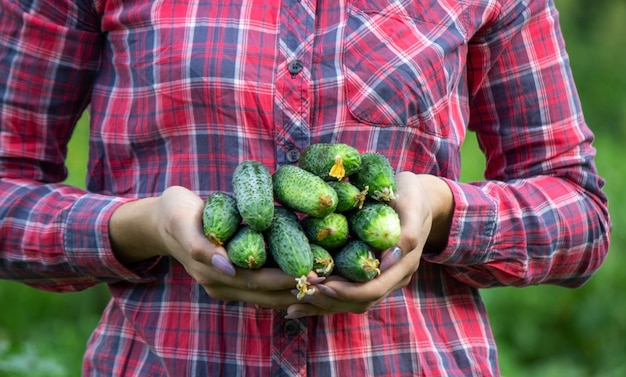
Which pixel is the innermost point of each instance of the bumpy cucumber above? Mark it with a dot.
(284, 213)
(349, 196)
(377, 224)
(377, 176)
(330, 161)
(220, 217)
(323, 262)
(247, 248)
(303, 191)
(329, 232)
(252, 184)
(356, 262)
(291, 250)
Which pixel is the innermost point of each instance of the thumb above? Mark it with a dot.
(390, 257)
(223, 264)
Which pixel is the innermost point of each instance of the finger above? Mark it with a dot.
(273, 279)
(188, 244)
(320, 303)
(223, 265)
(263, 279)
(263, 299)
(394, 277)
(338, 295)
(399, 274)
(303, 310)
(390, 257)
(300, 310)
(203, 251)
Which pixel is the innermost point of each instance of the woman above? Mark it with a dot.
(181, 92)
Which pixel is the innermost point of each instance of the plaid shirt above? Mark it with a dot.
(180, 92)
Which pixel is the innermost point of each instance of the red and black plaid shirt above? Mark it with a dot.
(181, 91)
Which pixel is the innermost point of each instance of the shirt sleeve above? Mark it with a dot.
(541, 215)
(54, 236)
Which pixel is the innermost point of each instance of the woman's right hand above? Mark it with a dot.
(171, 224)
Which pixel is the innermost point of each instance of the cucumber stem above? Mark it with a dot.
(251, 261)
(385, 194)
(370, 265)
(325, 202)
(328, 264)
(323, 234)
(214, 239)
(361, 197)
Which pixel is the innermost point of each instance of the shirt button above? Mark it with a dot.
(291, 327)
(295, 67)
(293, 155)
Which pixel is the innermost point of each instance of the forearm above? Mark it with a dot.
(540, 216)
(133, 231)
(441, 203)
(540, 230)
(171, 225)
(57, 237)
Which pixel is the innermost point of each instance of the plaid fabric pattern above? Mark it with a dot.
(181, 92)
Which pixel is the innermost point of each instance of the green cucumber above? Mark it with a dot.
(281, 214)
(323, 262)
(291, 250)
(303, 191)
(252, 185)
(356, 262)
(220, 217)
(330, 161)
(377, 176)
(348, 195)
(284, 213)
(247, 248)
(329, 232)
(377, 224)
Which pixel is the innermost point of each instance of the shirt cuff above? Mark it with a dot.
(87, 243)
(474, 224)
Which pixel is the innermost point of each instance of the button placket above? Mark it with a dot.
(293, 81)
(289, 345)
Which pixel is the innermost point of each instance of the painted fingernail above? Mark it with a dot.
(326, 290)
(316, 280)
(391, 258)
(223, 265)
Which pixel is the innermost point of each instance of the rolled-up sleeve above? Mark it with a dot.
(541, 215)
(54, 236)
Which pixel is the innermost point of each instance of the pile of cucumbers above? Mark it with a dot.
(330, 214)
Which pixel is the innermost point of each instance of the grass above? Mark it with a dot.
(43, 333)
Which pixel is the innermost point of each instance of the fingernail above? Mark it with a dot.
(391, 258)
(295, 315)
(304, 298)
(316, 280)
(223, 265)
(326, 290)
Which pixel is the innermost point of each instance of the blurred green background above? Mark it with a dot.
(541, 331)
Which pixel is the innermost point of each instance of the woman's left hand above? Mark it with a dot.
(424, 206)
